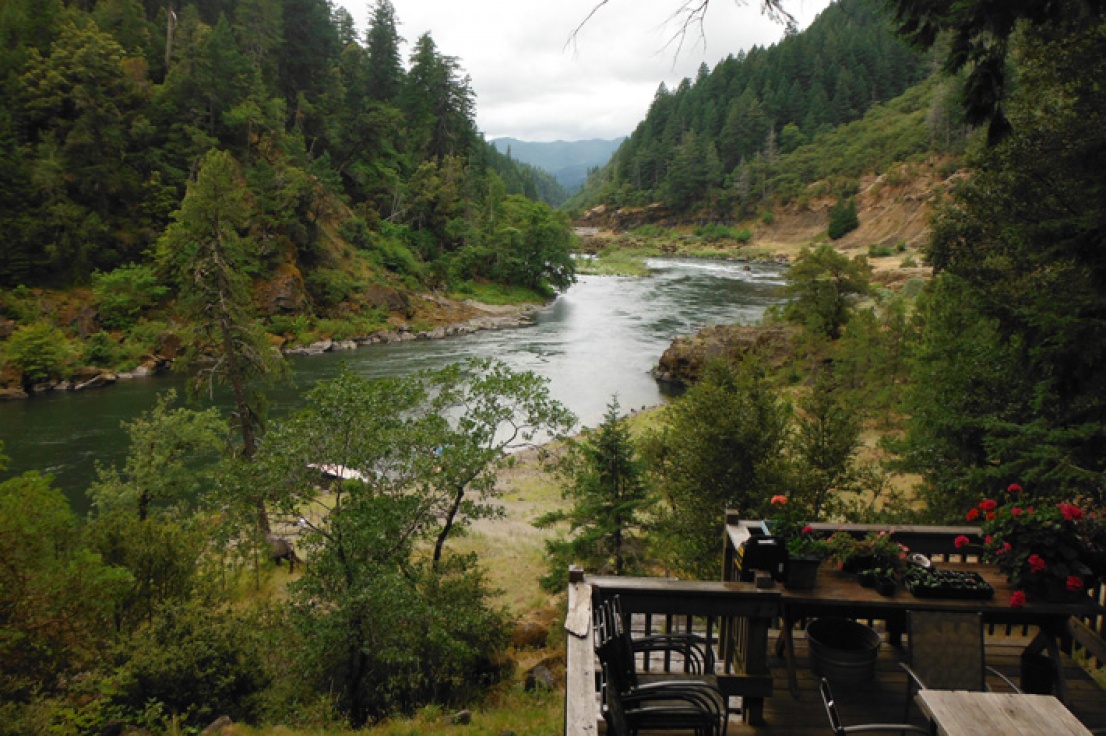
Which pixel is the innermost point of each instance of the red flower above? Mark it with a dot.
(973, 514)
(1015, 511)
(1075, 583)
(808, 529)
(990, 515)
(961, 542)
(1006, 547)
(1017, 600)
(989, 504)
(1013, 488)
(1037, 563)
(1029, 510)
(988, 539)
(1070, 511)
(778, 500)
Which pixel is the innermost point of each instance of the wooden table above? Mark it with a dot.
(838, 594)
(963, 713)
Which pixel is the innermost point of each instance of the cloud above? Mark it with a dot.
(535, 81)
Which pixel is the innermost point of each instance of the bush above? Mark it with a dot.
(880, 251)
(125, 293)
(40, 351)
(197, 661)
(329, 287)
(102, 350)
(843, 219)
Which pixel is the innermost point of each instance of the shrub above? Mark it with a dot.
(100, 349)
(880, 251)
(197, 661)
(39, 351)
(125, 293)
(843, 219)
(329, 287)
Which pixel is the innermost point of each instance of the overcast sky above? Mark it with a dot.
(533, 83)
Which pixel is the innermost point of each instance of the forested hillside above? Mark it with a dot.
(715, 145)
(357, 168)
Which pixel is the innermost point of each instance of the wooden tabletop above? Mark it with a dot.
(963, 713)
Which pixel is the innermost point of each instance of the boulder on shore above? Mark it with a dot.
(683, 362)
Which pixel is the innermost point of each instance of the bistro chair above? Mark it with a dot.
(946, 653)
(840, 729)
(630, 705)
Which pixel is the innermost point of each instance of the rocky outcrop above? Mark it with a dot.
(682, 363)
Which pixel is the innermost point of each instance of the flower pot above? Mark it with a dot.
(885, 585)
(857, 563)
(842, 650)
(802, 572)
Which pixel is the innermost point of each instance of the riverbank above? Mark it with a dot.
(443, 317)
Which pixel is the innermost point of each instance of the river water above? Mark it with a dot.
(597, 340)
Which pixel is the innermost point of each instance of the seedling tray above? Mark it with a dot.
(957, 584)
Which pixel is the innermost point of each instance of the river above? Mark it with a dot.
(598, 339)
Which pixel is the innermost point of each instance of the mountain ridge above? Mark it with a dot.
(567, 161)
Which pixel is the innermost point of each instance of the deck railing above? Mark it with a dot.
(735, 615)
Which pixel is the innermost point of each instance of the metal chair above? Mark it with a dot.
(630, 705)
(946, 653)
(840, 729)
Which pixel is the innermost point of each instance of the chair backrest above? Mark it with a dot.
(946, 649)
(613, 712)
(831, 709)
(614, 647)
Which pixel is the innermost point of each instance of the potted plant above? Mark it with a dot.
(875, 550)
(1048, 550)
(805, 548)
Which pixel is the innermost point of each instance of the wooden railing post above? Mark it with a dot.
(580, 713)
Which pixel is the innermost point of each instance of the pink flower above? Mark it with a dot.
(973, 514)
(988, 539)
(1029, 510)
(1015, 511)
(961, 542)
(1017, 600)
(778, 500)
(1006, 547)
(989, 504)
(990, 515)
(1075, 583)
(1013, 488)
(1037, 563)
(808, 529)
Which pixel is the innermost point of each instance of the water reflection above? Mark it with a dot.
(599, 339)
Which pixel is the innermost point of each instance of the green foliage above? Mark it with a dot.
(39, 351)
(387, 628)
(607, 486)
(330, 287)
(57, 595)
(198, 661)
(822, 286)
(715, 232)
(842, 219)
(721, 447)
(166, 463)
(1008, 382)
(125, 293)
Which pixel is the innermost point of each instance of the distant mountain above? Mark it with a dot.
(567, 161)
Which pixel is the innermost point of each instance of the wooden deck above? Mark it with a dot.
(883, 699)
